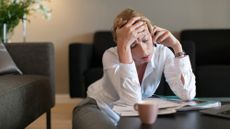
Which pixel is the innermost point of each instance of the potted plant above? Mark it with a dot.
(14, 11)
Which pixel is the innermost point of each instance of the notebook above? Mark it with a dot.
(223, 111)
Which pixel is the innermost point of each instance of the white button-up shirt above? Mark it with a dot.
(120, 83)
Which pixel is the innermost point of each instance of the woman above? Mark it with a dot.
(133, 69)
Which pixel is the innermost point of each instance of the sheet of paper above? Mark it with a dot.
(165, 107)
(125, 110)
(162, 103)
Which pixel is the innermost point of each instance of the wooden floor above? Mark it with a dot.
(61, 114)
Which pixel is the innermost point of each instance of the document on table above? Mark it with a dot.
(168, 106)
(165, 107)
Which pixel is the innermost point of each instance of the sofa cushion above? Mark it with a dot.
(213, 81)
(25, 97)
(92, 75)
(7, 64)
(102, 41)
(212, 45)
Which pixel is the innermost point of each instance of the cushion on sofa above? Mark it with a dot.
(213, 80)
(101, 42)
(7, 64)
(92, 75)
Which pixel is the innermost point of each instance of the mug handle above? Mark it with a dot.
(135, 106)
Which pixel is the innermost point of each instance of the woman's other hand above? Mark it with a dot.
(165, 37)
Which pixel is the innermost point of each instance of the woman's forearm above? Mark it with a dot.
(124, 53)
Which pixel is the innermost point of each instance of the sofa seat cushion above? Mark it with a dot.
(11, 82)
(25, 97)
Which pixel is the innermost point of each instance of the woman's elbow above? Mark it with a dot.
(189, 94)
(190, 89)
(188, 97)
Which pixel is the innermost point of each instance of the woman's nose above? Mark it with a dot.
(143, 49)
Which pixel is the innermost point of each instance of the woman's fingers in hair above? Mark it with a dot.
(132, 21)
(154, 30)
(141, 28)
(163, 37)
(158, 34)
(143, 33)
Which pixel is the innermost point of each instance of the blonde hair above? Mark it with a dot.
(123, 18)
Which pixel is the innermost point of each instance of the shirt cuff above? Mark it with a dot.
(183, 63)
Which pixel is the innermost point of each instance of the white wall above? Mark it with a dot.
(77, 20)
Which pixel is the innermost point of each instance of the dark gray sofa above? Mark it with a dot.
(23, 98)
(208, 50)
(212, 60)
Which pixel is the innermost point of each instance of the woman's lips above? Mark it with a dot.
(145, 57)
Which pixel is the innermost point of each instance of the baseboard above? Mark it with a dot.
(65, 98)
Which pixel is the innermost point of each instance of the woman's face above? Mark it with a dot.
(142, 48)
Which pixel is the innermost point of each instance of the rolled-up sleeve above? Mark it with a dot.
(129, 83)
(123, 78)
(174, 69)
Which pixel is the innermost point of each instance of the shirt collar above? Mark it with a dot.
(152, 63)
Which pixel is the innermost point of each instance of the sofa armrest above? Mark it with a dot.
(80, 57)
(33, 58)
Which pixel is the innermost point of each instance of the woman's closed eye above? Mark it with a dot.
(133, 45)
(145, 40)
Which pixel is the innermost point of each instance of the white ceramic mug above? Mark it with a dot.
(147, 111)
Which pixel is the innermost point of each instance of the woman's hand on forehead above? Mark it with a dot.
(132, 30)
(144, 33)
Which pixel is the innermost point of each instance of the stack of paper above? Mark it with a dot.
(197, 104)
(168, 105)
